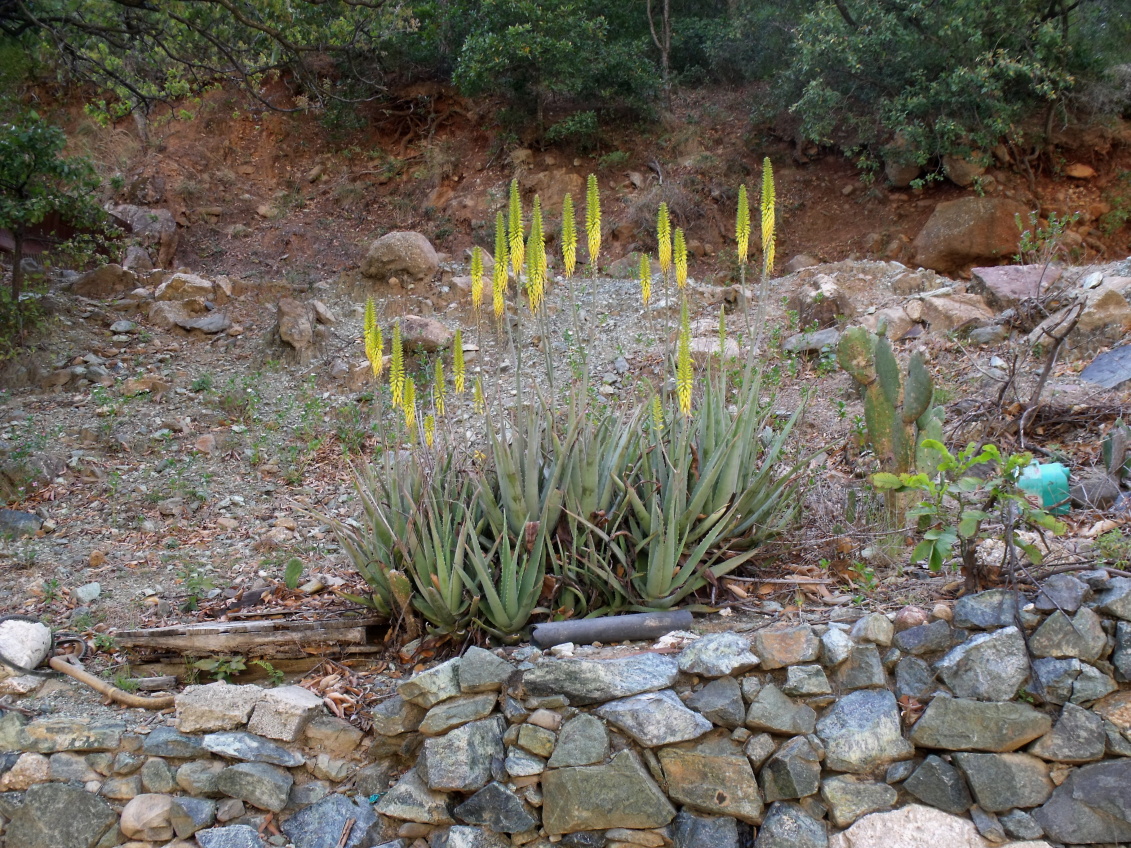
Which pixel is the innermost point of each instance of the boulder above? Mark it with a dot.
(964, 170)
(216, 706)
(822, 303)
(424, 334)
(167, 314)
(462, 760)
(861, 732)
(105, 282)
(1005, 286)
(1092, 805)
(958, 724)
(787, 825)
(59, 815)
(322, 824)
(411, 799)
(24, 643)
(968, 230)
(583, 741)
(780, 645)
(1001, 782)
(185, 287)
(432, 686)
(405, 255)
(988, 666)
(499, 809)
(153, 228)
(295, 325)
(950, 313)
(283, 712)
(147, 817)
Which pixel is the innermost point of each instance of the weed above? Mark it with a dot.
(105, 642)
(273, 674)
(203, 383)
(125, 683)
(1114, 548)
(221, 668)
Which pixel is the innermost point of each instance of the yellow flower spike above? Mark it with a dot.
(499, 279)
(680, 257)
(645, 279)
(396, 367)
(742, 225)
(476, 278)
(515, 228)
(722, 332)
(439, 387)
(374, 342)
(664, 238)
(569, 237)
(684, 374)
(409, 404)
(479, 401)
(593, 219)
(536, 260)
(429, 430)
(768, 220)
(459, 370)
(657, 414)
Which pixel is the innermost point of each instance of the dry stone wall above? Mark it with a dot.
(1003, 720)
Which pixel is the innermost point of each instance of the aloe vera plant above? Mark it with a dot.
(510, 580)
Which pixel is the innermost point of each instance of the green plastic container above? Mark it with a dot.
(1049, 480)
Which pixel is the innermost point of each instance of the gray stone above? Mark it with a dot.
(70, 766)
(780, 645)
(1001, 782)
(497, 808)
(720, 702)
(1117, 599)
(787, 825)
(804, 680)
(593, 681)
(655, 718)
(212, 323)
(456, 711)
(939, 784)
(1077, 737)
(536, 740)
(146, 817)
(1053, 679)
(520, 763)
(189, 815)
(758, 749)
(156, 776)
(695, 831)
(913, 678)
(988, 825)
(121, 788)
(1095, 489)
(924, 639)
(990, 335)
(320, 825)
(863, 669)
(987, 667)
(333, 735)
(812, 341)
(462, 836)
(717, 655)
(620, 794)
(164, 741)
(849, 797)
(899, 772)
(986, 610)
(430, 687)
(58, 815)
(771, 710)
(200, 777)
(1092, 805)
(874, 627)
(1091, 685)
(16, 524)
(1020, 825)
(582, 741)
(1110, 369)
(861, 732)
(958, 724)
(1063, 592)
(482, 671)
(404, 254)
(1117, 744)
(712, 776)
(259, 784)
(794, 771)
(835, 646)
(305, 794)
(1081, 637)
(411, 799)
(461, 760)
(284, 712)
(1121, 656)
(48, 735)
(217, 706)
(396, 716)
(240, 745)
(232, 836)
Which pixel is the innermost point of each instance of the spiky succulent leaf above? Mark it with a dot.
(569, 237)
(742, 225)
(593, 219)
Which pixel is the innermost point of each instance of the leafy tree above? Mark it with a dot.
(37, 182)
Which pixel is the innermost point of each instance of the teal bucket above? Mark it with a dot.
(1048, 480)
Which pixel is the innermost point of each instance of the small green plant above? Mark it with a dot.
(1114, 548)
(221, 668)
(958, 508)
(203, 383)
(273, 674)
(1043, 245)
(197, 584)
(292, 573)
(615, 159)
(105, 642)
(125, 683)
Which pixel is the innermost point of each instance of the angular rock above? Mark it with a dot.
(164, 741)
(787, 825)
(497, 808)
(482, 671)
(1053, 679)
(654, 718)
(986, 610)
(810, 341)
(27, 770)
(24, 643)
(239, 745)
(1004, 286)
(157, 777)
(758, 749)
(536, 740)
(1121, 656)
(69, 766)
(720, 702)
(939, 784)
(593, 681)
(874, 627)
(583, 741)
(1091, 685)
(396, 716)
(924, 639)
(426, 335)
(283, 713)
(461, 760)
(1117, 599)
(185, 287)
(456, 711)
(1092, 805)
(861, 670)
(968, 230)
(461, 836)
(771, 710)
(200, 777)
(861, 732)
(1116, 708)
(48, 735)
(321, 824)
(189, 815)
(1081, 637)
(121, 788)
(105, 282)
(232, 836)
(913, 678)
(58, 815)
(717, 655)
(988, 666)
(1063, 592)
(1001, 782)
(210, 324)
(913, 826)
(835, 646)
(620, 794)
(794, 771)
(695, 831)
(520, 763)
(1077, 737)
(411, 799)
(430, 687)
(780, 645)
(405, 255)
(804, 680)
(16, 524)
(712, 776)
(216, 706)
(958, 724)
(294, 323)
(259, 784)
(1020, 825)
(849, 797)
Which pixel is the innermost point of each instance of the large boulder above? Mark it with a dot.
(968, 230)
(105, 282)
(153, 228)
(406, 255)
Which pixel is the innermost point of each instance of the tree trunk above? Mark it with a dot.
(17, 265)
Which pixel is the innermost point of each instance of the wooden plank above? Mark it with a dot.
(258, 638)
